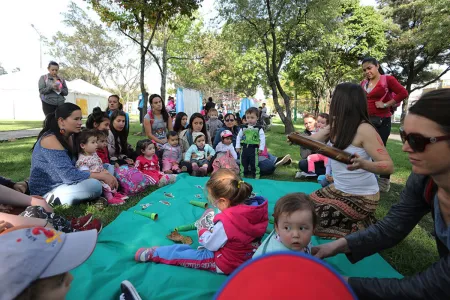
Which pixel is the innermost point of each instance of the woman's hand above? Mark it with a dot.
(329, 178)
(129, 161)
(162, 141)
(39, 201)
(111, 181)
(4, 225)
(330, 249)
(357, 163)
(379, 104)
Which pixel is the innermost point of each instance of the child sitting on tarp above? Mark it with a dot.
(294, 220)
(203, 154)
(230, 240)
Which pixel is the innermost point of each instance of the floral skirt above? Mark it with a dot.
(341, 214)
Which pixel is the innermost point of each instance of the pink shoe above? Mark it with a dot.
(116, 201)
(121, 196)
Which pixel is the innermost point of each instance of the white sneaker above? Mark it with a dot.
(300, 174)
(282, 161)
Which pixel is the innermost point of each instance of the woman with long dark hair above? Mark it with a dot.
(53, 174)
(196, 124)
(118, 148)
(52, 89)
(180, 122)
(115, 105)
(158, 121)
(426, 140)
(384, 93)
(349, 204)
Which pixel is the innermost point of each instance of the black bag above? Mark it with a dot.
(376, 121)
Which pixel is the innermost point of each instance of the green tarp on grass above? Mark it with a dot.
(113, 259)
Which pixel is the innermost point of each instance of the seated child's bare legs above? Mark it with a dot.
(194, 166)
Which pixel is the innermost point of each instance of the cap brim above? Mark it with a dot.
(77, 248)
(285, 275)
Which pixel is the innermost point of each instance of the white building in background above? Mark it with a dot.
(19, 96)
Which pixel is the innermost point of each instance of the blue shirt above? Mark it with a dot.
(51, 168)
(439, 225)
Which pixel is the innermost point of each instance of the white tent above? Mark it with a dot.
(19, 96)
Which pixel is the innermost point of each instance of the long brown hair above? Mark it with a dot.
(348, 110)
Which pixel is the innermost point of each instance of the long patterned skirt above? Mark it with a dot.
(341, 213)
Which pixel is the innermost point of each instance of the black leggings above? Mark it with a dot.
(384, 131)
(48, 108)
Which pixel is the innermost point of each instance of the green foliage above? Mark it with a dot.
(357, 31)
(419, 37)
(89, 52)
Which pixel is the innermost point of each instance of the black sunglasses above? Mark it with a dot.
(229, 120)
(418, 142)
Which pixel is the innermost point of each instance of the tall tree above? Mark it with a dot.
(89, 51)
(333, 58)
(134, 18)
(418, 41)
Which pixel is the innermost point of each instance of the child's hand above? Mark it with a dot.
(4, 225)
(329, 178)
(116, 165)
(209, 157)
(129, 161)
(260, 152)
(238, 150)
(357, 163)
(194, 156)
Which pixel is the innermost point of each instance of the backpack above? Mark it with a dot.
(430, 191)
(225, 161)
(389, 94)
(132, 181)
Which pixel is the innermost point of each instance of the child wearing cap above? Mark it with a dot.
(35, 261)
(226, 144)
(203, 154)
(294, 220)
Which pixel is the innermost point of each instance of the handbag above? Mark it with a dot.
(376, 121)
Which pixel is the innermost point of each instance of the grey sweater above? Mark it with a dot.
(48, 95)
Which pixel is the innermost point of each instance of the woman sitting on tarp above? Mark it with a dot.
(349, 204)
(426, 132)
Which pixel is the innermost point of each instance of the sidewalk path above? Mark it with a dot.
(395, 137)
(18, 134)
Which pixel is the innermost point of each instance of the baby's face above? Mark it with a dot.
(213, 115)
(295, 230)
(321, 122)
(173, 141)
(200, 142)
(101, 143)
(227, 140)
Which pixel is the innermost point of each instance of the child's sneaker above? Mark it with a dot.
(78, 223)
(145, 254)
(116, 201)
(95, 224)
(129, 292)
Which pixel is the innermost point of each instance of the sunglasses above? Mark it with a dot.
(418, 142)
(229, 120)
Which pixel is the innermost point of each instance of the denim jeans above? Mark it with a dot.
(82, 191)
(267, 165)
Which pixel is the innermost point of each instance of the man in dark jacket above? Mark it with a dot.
(209, 105)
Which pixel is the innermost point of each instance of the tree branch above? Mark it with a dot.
(129, 36)
(185, 58)
(156, 60)
(431, 81)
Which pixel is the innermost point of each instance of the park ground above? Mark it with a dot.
(414, 254)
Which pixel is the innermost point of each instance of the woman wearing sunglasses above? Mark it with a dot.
(267, 162)
(426, 138)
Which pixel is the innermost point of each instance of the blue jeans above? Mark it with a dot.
(109, 168)
(82, 191)
(267, 165)
(185, 256)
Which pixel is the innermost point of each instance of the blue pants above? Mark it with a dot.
(185, 256)
(267, 165)
(85, 190)
(109, 168)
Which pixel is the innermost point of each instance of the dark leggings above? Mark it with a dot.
(48, 108)
(384, 131)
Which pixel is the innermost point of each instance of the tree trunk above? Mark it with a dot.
(287, 121)
(405, 103)
(142, 72)
(164, 69)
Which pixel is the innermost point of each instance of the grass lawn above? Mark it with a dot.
(414, 254)
(19, 125)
